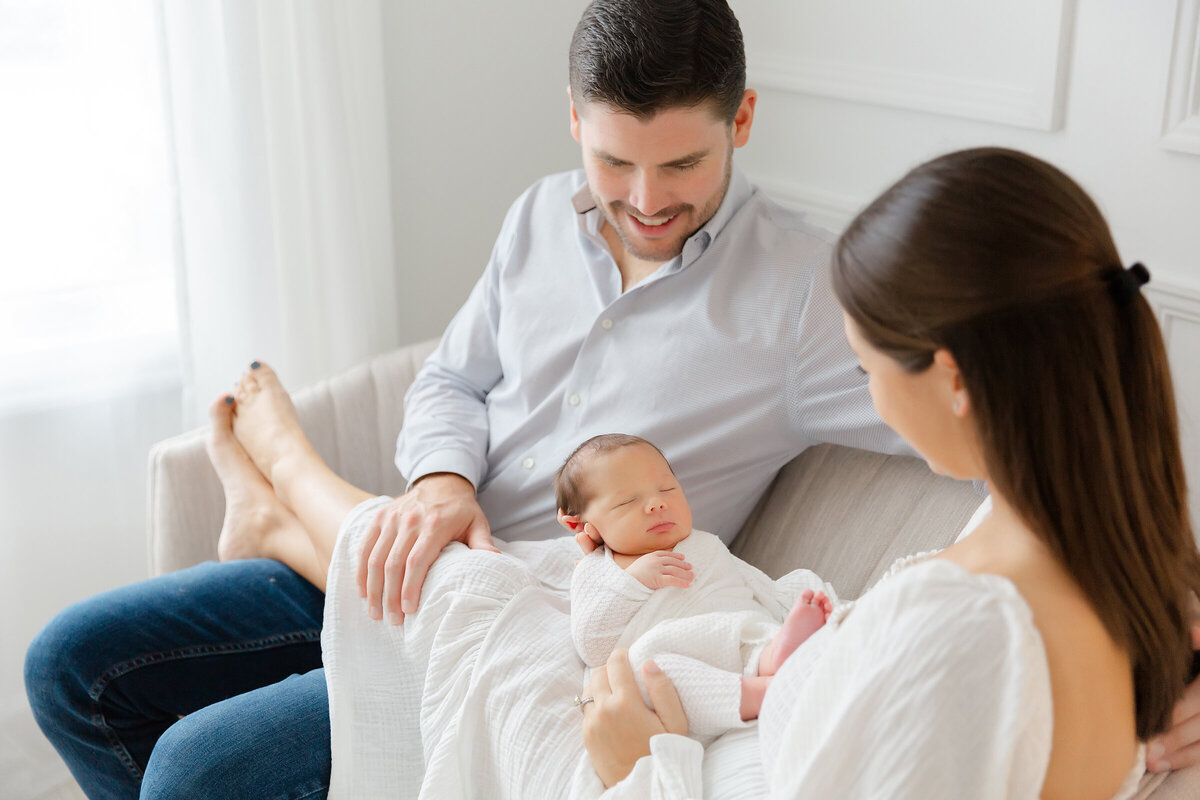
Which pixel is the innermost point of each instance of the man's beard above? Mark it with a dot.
(635, 248)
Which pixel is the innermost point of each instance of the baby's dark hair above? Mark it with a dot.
(569, 490)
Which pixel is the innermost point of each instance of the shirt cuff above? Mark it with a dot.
(456, 461)
(673, 769)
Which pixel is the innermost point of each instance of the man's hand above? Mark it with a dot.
(408, 535)
(1180, 746)
(662, 568)
(618, 726)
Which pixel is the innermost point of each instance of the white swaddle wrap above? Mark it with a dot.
(477, 683)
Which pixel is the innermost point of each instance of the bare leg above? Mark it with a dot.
(806, 618)
(257, 524)
(753, 690)
(265, 423)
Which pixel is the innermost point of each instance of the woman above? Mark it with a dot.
(1004, 340)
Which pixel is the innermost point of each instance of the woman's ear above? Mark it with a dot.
(960, 401)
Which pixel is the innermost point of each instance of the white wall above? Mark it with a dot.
(477, 107)
(854, 95)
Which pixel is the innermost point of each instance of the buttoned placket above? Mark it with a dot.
(606, 277)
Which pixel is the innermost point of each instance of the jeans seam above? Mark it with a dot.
(194, 651)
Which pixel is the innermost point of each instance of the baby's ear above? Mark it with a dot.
(570, 521)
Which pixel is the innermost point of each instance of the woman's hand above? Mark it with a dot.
(617, 727)
(1180, 746)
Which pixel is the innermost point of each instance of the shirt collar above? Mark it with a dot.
(736, 195)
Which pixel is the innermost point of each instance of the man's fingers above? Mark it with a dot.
(376, 564)
(479, 537)
(667, 704)
(396, 570)
(423, 554)
(364, 553)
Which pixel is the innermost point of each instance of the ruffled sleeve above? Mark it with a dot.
(935, 685)
(672, 771)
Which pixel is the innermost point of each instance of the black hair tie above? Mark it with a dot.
(1127, 283)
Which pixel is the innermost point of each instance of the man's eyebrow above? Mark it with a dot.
(679, 162)
(688, 159)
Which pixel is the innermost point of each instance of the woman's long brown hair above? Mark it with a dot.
(1007, 263)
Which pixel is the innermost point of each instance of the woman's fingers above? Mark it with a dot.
(666, 700)
(620, 675)
(597, 686)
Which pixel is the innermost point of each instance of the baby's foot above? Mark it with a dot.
(253, 514)
(265, 422)
(807, 616)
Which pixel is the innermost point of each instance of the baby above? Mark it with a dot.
(666, 591)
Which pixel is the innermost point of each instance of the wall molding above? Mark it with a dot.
(1038, 104)
(821, 207)
(1171, 301)
(1174, 303)
(1181, 116)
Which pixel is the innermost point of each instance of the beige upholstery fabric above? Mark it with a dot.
(848, 514)
(352, 419)
(845, 514)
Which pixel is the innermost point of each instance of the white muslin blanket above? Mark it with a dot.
(471, 696)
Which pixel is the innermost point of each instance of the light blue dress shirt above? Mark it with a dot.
(730, 357)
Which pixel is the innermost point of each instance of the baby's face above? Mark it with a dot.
(636, 503)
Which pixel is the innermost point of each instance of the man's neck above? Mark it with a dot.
(633, 269)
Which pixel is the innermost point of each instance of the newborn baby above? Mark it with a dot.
(666, 591)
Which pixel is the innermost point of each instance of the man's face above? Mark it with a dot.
(658, 180)
(637, 505)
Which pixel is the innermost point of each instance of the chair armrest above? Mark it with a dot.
(352, 419)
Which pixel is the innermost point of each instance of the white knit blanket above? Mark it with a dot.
(471, 696)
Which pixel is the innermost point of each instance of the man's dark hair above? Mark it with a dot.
(643, 56)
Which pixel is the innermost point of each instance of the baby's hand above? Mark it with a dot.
(662, 568)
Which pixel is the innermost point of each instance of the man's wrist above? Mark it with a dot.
(445, 481)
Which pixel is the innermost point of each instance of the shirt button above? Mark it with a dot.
(606, 324)
(527, 463)
(573, 399)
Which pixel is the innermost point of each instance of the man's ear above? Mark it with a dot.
(574, 116)
(570, 521)
(744, 118)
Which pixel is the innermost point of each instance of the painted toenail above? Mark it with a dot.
(228, 399)
(255, 365)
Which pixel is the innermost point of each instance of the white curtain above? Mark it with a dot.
(280, 135)
(186, 185)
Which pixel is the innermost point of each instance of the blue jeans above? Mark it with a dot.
(202, 683)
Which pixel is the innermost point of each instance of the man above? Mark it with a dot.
(654, 293)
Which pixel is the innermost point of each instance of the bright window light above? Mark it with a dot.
(88, 249)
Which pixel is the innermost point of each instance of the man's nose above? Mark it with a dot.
(646, 195)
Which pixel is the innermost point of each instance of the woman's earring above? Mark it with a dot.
(956, 407)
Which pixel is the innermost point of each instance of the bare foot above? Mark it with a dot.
(254, 516)
(265, 422)
(806, 617)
